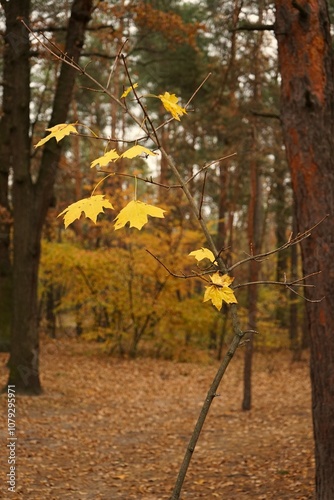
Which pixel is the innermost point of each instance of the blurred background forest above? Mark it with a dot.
(102, 285)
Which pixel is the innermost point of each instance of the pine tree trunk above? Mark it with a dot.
(306, 64)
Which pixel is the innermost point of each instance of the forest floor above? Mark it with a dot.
(111, 429)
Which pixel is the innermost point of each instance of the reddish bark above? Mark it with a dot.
(306, 64)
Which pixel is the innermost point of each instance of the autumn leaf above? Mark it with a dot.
(90, 206)
(58, 132)
(136, 151)
(103, 161)
(220, 292)
(136, 213)
(203, 253)
(128, 90)
(169, 102)
(224, 280)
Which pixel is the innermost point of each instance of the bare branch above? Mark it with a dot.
(208, 165)
(291, 241)
(197, 90)
(303, 10)
(113, 68)
(149, 181)
(182, 276)
(270, 282)
(265, 114)
(253, 27)
(202, 197)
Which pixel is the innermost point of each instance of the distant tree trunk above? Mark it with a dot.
(32, 199)
(307, 107)
(282, 210)
(254, 223)
(280, 197)
(254, 238)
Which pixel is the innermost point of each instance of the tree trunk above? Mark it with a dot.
(5, 212)
(254, 238)
(306, 64)
(31, 200)
(255, 223)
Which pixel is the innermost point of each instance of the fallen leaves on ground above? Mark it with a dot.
(115, 429)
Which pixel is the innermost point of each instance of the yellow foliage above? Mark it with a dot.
(128, 90)
(90, 206)
(220, 292)
(169, 102)
(125, 287)
(203, 253)
(58, 132)
(136, 151)
(104, 160)
(136, 212)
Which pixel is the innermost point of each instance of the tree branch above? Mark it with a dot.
(253, 27)
(292, 241)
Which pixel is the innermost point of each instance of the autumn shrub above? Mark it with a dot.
(122, 296)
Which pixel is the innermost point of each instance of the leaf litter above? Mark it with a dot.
(111, 429)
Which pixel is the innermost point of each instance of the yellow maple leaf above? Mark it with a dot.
(203, 253)
(136, 213)
(221, 280)
(169, 102)
(220, 291)
(90, 206)
(128, 90)
(58, 132)
(136, 151)
(103, 161)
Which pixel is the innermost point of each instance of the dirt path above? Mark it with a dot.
(110, 429)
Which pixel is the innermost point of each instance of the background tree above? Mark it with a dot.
(31, 192)
(307, 110)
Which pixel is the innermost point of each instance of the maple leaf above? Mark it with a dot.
(90, 206)
(58, 132)
(136, 151)
(103, 161)
(128, 90)
(169, 102)
(220, 291)
(136, 213)
(221, 280)
(203, 253)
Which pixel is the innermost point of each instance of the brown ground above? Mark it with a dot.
(111, 429)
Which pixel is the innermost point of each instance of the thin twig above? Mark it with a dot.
(295, 282)
(202, 197)
(208, 165)
(182, 276)
(113, 68)
(292, 241)
(140, 103)
(143, 179)
(315, 301)
(198, 89)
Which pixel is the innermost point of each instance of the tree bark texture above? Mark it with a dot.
(5, 211)
(307, 94)
(32, 199)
